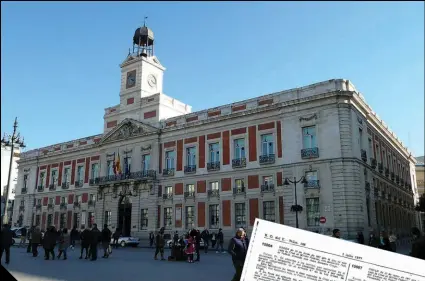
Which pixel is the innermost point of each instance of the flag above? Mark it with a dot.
(118, 165)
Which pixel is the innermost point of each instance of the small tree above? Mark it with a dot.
(420, 207)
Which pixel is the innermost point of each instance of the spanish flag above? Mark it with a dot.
(118, 165)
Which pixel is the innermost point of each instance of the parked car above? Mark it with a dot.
(16, 235)
(127, 241)
(170, 243)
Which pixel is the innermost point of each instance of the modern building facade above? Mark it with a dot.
(5, 167)
(157, 163)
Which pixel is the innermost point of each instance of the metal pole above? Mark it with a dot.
(296, 202)
(5, 216)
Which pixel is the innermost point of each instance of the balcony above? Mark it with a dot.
(392, 176)
(133, 176)
(40, 188)
(189, 194)
(267, 159)
(381, 168)
(38, 207)
(387, 172)
(312, 184)
(190, 169)
(239, 163)
(168, 172)
(63, 206)
(50, 206)
(239, 190)
(309, 153)
(78, 183)
(65, 185)
(167, 196)
(77, 205)
(267, 188)
(21, 208)
(52, 187)
(213, 166)
(373, 163)
(24, 190)
(91, 203)
(363, 155)
(213, 193)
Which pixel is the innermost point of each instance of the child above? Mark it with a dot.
(190, 249)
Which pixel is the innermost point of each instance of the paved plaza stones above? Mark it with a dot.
(123, 264)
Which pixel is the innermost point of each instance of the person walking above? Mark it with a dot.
(74, 236)
(85, 241)
(418, 245)
(6, 241)
(151, 239)
(106, 240)
(238, 248)
(35, 241)
(197, 244)
(205, 235)
(63, 243)
(23, 237)
(49, 243)
(336, 233)
(160, 243)
(384, 242)
(116, 236)
(95, 239)
(220, 241)
(393, 240)
(29, 236)
(360, 237)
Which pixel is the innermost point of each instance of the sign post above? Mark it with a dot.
(322, 221)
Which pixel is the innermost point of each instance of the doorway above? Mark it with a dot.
(124, 216)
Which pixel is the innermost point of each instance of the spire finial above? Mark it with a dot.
(144, 21)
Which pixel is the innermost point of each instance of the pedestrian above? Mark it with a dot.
(151, 239)
(6, 241)
(74, 236)
(95, 239)
(63, 243)
(220, 240)
(360, 237)
(23, 237)
(85, 241)
(160, 243)
(418, 245)
(336, 233)
(213, 240)
(197, 239)
(393, 239)
(116, 236)
(35, 241)
(373, 241)
(384, 242)
(106, 240)
(238, 248)
(205, 235)
(176, 237)
(49, 243)
(190, 248)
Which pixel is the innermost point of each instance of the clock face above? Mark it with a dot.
(152, 80)
(131, 79)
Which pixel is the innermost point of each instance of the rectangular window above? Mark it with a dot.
(190, 188)
(370, 146)
(384, 159)
(190, 217)
(22, 202)
(42, 179)
(169, 159)
(267, 180)
(108, 217)
(389, 161)
(55, 177)
(91, 219)
(368, 210)
(63, 200)
(39, 202)
(168, 217)
(214, 150)
(239, 147)
(51, 200)
(127, 165)
(37, 220)
(94, 170)
(62, 220)
(378, 154)
(239, 185)
(80, 173)
(191, 156)
(269, 211)
(92, 197)
(110, 168)
(313, 212)
(78, 198)
(77, 220)
(25, 181)
(214, 185)
(311, 176)
(66, 173)
(144, 219)
(240, 217)
(361, 138)
(49, 220)
(83, 218)
(267, 144)
(168, 190)
(309, 137)
(214, 216)
(146, 161)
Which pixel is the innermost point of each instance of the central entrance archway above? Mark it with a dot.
(124, 215)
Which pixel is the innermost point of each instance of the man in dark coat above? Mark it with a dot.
(238, 248)
(95, 239)
(6, 241)
(74, 236)
(197, 245)
(35, 241)
(220, 240)
(116, 236)
(49, 242)
(418, 245)
(205, 235)
(106, 240)
(85, 241)
(160, 243)
(29, 236)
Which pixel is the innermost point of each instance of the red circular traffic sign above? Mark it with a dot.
(322, 220)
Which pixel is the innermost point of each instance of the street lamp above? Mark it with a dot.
(11, 141)
(295, 208)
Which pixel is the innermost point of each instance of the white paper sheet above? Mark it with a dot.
(280, 253)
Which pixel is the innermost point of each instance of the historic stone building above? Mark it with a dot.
(222, 167)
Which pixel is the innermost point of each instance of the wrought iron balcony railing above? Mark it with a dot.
(267, 159)
(312, 184)
(135, 176)
(267, 188)
(40, 188)
(78, 183)
(239, 163)
(52, 187)
(213, 166)
(65, 185)
(24, 190)
(167, 196)
(77, 204)
(239, 190)
(309, 153)
(213, 193)
(373, 163)
(381, 168)
(190, 169)
(168, 172)
(189, 194)
(363, 155)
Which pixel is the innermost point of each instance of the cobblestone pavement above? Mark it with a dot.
(123, 264)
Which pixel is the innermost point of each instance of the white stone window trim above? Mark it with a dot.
(316, 126)
(169, 149)
(259, 137)
(207, 150)
(232, 145)
(185, 148)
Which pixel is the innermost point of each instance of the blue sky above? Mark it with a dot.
(60, 61)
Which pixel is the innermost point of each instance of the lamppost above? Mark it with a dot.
(296, 208)
(11, 141)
